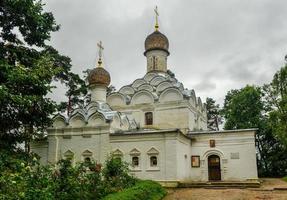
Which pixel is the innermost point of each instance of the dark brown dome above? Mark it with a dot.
(99, 76)
(156, 41)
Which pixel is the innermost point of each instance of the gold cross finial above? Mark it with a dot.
(101, 48)
(156, 19)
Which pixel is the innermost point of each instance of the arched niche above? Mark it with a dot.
(138, 82)
(116, 99)
(142, 97)
(149, 76)
(128, 90)
(170, 94)
(157, 80)
(96, 119)
(59, 121)
(163, 85)
(146, 87)
(77, 120)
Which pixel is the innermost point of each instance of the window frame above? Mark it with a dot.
(151, 162)
(148, 121)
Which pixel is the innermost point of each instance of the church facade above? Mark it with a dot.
(155, 124)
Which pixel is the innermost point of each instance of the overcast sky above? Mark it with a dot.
(215, 45)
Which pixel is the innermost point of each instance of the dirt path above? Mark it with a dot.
(265, 192)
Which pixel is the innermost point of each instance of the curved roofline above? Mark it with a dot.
(139, 91)
(170, 88)
(75, 114)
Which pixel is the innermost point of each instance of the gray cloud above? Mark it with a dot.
(215, 45)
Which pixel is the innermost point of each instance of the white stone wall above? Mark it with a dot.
(164, 143)
(227, 143)
(173, 149)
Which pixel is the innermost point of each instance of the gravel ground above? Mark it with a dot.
(265, 192)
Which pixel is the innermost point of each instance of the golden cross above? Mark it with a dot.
(156, 18)
(101, 48)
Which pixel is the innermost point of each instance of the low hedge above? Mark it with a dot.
(147, 190)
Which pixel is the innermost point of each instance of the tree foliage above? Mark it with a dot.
(213, 116)
(27, 68)
(247, 108)
(243, 108)
(276, 96)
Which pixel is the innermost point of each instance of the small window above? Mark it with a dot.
(148, 118)
(135, 161)
(153, 161)
(87, 160)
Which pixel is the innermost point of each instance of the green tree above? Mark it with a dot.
(243, 108)
(246, 108)
(213, 117)
(27, 68)
(276, 95)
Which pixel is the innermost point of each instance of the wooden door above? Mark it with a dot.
(214, 172)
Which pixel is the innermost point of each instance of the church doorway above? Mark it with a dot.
(214, 172)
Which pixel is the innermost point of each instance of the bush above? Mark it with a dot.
(285, 178)
(22, 177)
(147, 190)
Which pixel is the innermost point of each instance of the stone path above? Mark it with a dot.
(268, 191)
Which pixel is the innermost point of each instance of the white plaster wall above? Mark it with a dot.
(166, 146)
(226, 143)
(172, 118)
(77, 141)
(183, 159)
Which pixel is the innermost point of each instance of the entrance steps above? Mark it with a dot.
(220, 184)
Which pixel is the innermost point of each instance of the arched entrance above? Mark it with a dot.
(214, 172)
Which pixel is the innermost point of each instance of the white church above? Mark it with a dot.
(154, 124)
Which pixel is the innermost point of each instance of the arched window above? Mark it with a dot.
(135, 161)
(153, 161)
(148, 118)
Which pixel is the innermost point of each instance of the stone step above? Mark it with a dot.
(219, 185)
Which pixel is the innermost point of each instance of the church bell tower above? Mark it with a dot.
(156, 49)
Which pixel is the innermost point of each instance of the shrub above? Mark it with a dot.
(147, 190)
(116, 174)
(285, 178)
(24, 178)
